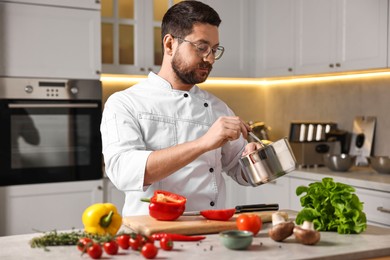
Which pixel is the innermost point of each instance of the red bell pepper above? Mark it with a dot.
(166, 205)
(218, 214)
(177, 237)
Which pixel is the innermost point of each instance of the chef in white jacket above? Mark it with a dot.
(165, 132)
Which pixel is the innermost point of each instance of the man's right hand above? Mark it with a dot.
(224, 129)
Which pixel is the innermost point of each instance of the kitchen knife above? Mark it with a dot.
(243, 208)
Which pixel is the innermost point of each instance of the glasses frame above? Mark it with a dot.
(199, 51)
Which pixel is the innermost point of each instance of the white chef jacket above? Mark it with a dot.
(151, 116)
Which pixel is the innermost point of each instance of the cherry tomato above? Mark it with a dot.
(249, 222)
(83, 242)
(111, 247)
(218, 214)
(95, 251)
(147, 239)
(123, 241)
(135, 242)
(166, 243)
(149, 250)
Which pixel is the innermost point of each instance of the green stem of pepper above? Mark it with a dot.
(145, 200)
(105, 221)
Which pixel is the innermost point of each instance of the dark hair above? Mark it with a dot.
(181, 17)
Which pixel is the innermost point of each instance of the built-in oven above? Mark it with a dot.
(49, 130)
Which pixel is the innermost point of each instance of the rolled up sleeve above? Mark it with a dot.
(124, 151)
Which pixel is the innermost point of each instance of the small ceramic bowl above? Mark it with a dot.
(236, 239)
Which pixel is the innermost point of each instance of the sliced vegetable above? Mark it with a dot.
(331, 206)
(177, 237)
(102, 219)
(166, 205)
(218, 214)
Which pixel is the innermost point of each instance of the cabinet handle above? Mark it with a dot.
(98, 72)
(150, 69)
(142, 69)
(290, 69)
(338, 65)
(382, 209)
(99, 187)
(331, 65)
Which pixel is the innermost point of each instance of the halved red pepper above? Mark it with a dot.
(166, 205)
(177, 237)
(218, 214)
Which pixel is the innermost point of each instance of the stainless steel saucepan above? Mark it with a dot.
(268, 163)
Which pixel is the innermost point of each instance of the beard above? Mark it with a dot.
(190, 75)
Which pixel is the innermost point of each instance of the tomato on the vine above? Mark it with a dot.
(149, 250)
(111, 247)
(166, 243)
(95, 251)
(135, 242)
(83, 242)
(123, 241)
(249, 222)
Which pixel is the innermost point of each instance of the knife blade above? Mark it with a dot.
(243, 208)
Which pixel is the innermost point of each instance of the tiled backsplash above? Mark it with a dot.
(337, 100)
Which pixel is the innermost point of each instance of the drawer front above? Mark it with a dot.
(376, 205)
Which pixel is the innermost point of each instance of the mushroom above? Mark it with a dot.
(281, 229)
(306, 234)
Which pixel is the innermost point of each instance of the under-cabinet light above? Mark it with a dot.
(256, 82)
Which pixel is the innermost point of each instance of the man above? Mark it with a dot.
(165, 132)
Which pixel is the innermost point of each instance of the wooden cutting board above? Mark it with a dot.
(188, 225)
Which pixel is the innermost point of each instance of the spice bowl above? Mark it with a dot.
(236, 239)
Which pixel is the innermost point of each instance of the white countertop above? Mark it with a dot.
(374, 242)
(362, 177)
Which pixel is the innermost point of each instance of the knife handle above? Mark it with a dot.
(257, 207)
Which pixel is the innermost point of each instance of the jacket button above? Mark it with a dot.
(206, 105)
(185, 95)
(212, 204)
(211, 170)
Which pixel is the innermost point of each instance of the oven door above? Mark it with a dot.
(49, 141)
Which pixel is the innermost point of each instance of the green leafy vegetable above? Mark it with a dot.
(331, 206)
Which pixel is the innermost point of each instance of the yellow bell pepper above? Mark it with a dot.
(102, 219)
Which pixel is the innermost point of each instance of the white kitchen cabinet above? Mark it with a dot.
(277, 191)
(235, 36)
(131, 36)
(113, 195)
(46, 207)
(324, 36)
(275, 33)
(340, 35)
(376, 206)
(50, 41)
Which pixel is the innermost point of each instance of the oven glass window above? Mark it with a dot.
(45, 140)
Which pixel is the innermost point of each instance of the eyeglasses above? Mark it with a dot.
(204, 49)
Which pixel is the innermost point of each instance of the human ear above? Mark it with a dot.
(168, 41)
